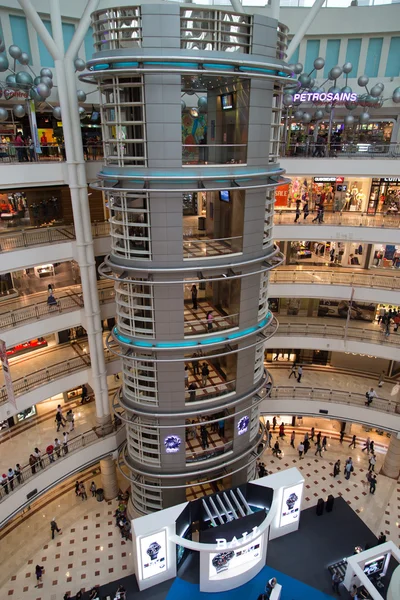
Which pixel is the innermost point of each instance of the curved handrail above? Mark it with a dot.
(332, 277)
(76, 443)
(338, 331)
(347, 219)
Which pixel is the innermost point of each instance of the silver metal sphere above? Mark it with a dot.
(57, 113)
(80, 94)
(363, 80)
(335, 73)
(14, 51)
(364, 118)
(364, 99)
(298, 115)
(24, 58)
(305, 80)
(45, 72)
(287, 100)
(334, 90)
(82, 112)
(351, 105)
(347, 68)
(328, 108)
(43, 91)
(376, 91)
(396, 95)
(79, 64)
(306, 118)
(33, 95)
(291, 66)
(380, 86)
(319, 114)
(298, 67)
(24, 79)
(3, 114)
(2, 46)
(36, 81)
(183, 105)
(349, 120)
(11, 81)
(19, 111)
(346, 89)
(202, 103)
(47, 81)
(312, 83)
(319, 63)
(4, 64)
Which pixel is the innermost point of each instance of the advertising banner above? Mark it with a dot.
(34, 129)
(230, 563)
(281, 195)
(153, 554)
(359, 311)
(290, 508)
(7, 375)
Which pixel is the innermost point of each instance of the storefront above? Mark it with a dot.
(336, 193)
(385, 256)
(327, 253)
(384, 196)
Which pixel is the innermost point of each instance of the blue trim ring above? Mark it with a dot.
(133, 342)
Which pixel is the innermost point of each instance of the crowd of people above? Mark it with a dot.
(121, 519)
(387, 318)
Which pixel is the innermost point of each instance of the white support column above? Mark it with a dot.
(304, 26)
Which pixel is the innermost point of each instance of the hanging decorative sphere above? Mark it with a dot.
(335, 73)
(349, 120)
(79, 64)
(298, 67)
(287, 100)
(202, 103)
(14, 51)
(319, 114)
(4, 64)
(346, 89)
(47, 81)
(19, 111)
(396, 95)
(43, 90)
(364, 118)
(375, 91)
(293, 87)
(312, 82)
(33, 95)
(11, 81)
(298, 115)
(363, 99)
(36, 81)
(378, 102)
(334, 90)
(328, 108)
(24, 79)
(380, 86)
(82, 113)
(2, 46)
(24, 58)
(183, 105)
(319, 63)
(351, 105)
(80, 94)
(347, 68)
(3, 114)
(57, 113)
(291, 66)
(45, 72)
(363, 80)
(304, 80)
(306, 118)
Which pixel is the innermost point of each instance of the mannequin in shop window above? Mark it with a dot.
(353, 260)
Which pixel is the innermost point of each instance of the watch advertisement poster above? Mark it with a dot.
(290, 508)
(230, 562)
(153, 554)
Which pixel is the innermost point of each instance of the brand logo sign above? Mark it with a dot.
(9, 93)
(329, 179)
(223, 543)
(325, 97)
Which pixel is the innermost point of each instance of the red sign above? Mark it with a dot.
(281, 195)
(339, 179)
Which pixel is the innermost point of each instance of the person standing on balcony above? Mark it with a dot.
(57, 447)
(299, 373)
(65, 442)
(19, 145)
(194, 296)
(209, 320)
(17, 472)
(204, 374)
(38, 455)
(306, 210)
(44, 143)
(50, 452)
(370, 396)
(32, 463)
(4, 483)
(297, 213)
(10, 476)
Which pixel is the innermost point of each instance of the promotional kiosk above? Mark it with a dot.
(230, 530)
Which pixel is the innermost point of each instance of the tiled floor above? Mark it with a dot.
(215, 381)
(206, 247)
(196, 319)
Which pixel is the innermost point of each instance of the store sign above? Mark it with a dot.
(325, 97)
(153, 554)
(328, 179)
(390, 180)
(172, 444)
(223, 543)
(243, 425)
(231, 563)
(281, 195)
(8, 94)
(290, 508)
(7, 375)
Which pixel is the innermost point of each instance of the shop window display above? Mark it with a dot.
(384, 196)
(385, 256)
(329, 253)
(335, 193)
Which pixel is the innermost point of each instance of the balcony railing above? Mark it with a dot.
(214, 154)
(335, 278)
(210, 391)
(29, 472)
(200, 455)
(9, 153)
(334, 396)
(209, 248)
(311, 149)
(348, 219)
(31, 381)
(202, 326)
(357, 334)
(209, 29)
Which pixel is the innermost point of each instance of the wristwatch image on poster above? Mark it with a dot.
(153, 554)
(290, 507)
(231, 562)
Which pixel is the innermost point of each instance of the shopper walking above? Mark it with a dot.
(312, 433)
(39, 570)
(77, 488)
(336, 468)
(71, 420)
(372, 485)
(57, 447)
(300, 449)
(297, 213)
(318, 450)
(82, 491)
(372, 447)
(372, 463)
(353, 442)
(367, 445)
(293, 370)
(32, 463)
(282, 431)
(335, 582)
(348, 469)
(274, 423)
(341, 436)
(65, 442)
(306, 211)
(276, 450)
(194, 296)
(370, 396)
(204, 374)
(209, 318)
(299, 373)
(324, 443)
(54, 527)
(306, 446)
(84, 395)
(93, 489)
(292, 438)
(319, 435)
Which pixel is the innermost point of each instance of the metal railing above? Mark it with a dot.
(312, 149)
(349, 219)
(209, 29)
(200, 455)
(40, 236)
(210, 391)
(217, 324)
(26, 384)
(214, 154)
(10, 153)
(331, 3)
(28, 472)
(335, 396)
(115, 28)
(209, 248)
(338, 332)
(335, 278)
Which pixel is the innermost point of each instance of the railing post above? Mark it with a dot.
(83, 440)
(24, 240)
(36, 311)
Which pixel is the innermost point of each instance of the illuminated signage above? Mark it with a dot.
(325, 97)
(243, 425)
(223, 543)
(328, 179)
(172, 444)
(153, 554)
(230, 563)
(290, 507)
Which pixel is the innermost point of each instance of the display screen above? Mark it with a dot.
(225, 196)
(290, 508)
(172, 444)
(243, 425)
(227, 101)
(153, 554)
(231, 562)
(374, 567)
